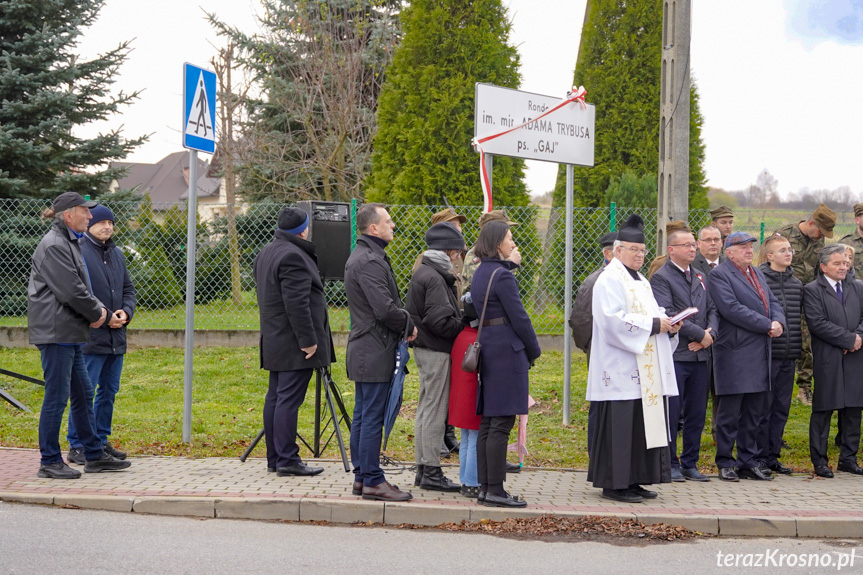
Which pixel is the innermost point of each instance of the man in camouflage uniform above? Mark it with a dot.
(659, 261)
(723, 219)
(807, 239)
(471, 262)
(855, 240)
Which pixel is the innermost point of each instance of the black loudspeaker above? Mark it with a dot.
(330, 231)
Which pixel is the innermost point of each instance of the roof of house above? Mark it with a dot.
(167, 181)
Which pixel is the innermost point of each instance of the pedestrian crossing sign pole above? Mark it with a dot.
(199, 135)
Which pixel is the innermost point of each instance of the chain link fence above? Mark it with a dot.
(153, 238)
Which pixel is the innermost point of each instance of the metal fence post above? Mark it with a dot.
(353, 223)
(612, 222)
(567, 300)
(762, 232)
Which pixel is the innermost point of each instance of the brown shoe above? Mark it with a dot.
(385, 492)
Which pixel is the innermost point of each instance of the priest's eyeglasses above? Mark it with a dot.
(636, 251)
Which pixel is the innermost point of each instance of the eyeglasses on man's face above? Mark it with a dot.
(690, 246)
(636, 251)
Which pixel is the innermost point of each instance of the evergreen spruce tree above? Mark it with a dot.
(423, 149)
(46, 91)
(619, 63)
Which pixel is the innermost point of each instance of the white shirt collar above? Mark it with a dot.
(832, 282)
(677, 266)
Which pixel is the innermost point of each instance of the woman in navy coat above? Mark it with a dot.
(509, 348)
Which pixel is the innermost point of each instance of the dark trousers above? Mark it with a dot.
(778, 407)
(693, 387)
(491, 448)
(281, 410)
(739, 419)
(819, 431)
(66, 379)
(370, 400)
(104, 371)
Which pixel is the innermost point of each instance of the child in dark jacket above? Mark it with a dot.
(776, 254)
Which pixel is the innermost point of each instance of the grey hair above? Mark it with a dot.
(617, 244)
(828, 251)
(852, 248)
(705, 229)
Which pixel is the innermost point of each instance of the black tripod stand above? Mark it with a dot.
(8, 397)
(325, 414)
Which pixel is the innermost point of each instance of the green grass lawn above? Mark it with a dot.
(229, 395)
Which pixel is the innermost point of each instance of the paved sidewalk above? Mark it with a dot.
(789, 506)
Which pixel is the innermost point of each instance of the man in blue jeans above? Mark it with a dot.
(104, 353)
(60, 309)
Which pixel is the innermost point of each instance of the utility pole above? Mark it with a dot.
(673, 197)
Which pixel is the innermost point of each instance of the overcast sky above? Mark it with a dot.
(780, 80)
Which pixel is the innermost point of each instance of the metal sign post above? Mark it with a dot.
(535, 127)
(199, 119)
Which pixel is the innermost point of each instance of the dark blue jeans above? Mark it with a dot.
(367, 431)
(104, 371)
(692, 384)
(66, 378)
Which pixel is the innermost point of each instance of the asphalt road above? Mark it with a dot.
(37, 539)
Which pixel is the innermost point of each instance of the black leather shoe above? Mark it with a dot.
(692, 474)
(781, 469)
(622, 495)
(765, 469)
(823, 471)
(298, 469)
(76, 456)
(728, 474)
(419, 475)
(513, 467)
(850, 468)
(469, 491)
(480, 497)
(645, 493)
(57, 470)
(435, 480)
(753, 473)
(357, 488)
(115, 453)
(513, 501)
(386, 492)
(106, 463)
(271, 469)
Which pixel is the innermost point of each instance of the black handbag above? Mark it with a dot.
(470, 363)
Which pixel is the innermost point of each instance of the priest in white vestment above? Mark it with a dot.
(631, 371)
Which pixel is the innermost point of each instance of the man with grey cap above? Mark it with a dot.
(61, 308)
(432, 302)
(295, 335)
(855, 240)
(749, 315)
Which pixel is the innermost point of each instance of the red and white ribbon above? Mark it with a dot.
(575, 95)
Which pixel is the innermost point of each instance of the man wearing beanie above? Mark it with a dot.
(432, 301)
(295, 335)
(631, 371)
(61, 308)
(104, 353)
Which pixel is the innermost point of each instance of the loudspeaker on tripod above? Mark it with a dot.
(330, 231)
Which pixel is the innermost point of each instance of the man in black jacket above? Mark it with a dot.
(104, 353)
(677, 286)
(377, 323)
(60, 307)
(295, 335)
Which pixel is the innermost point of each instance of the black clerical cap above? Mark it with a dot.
(632, 230)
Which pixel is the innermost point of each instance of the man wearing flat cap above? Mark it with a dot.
(723, 220)
(807, 239)
(659, 261)
(631, 372)
(61, 308)
(295, 335)
(749, 315)
(855, 240)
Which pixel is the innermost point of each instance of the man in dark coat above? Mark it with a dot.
(295, 335)
(749, 315)
(106, 349)
(676, 287)
(61, 308)
(377, 324)
(833, 306)
(709, 253)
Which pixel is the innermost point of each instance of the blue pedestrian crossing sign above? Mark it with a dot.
(199, 109)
